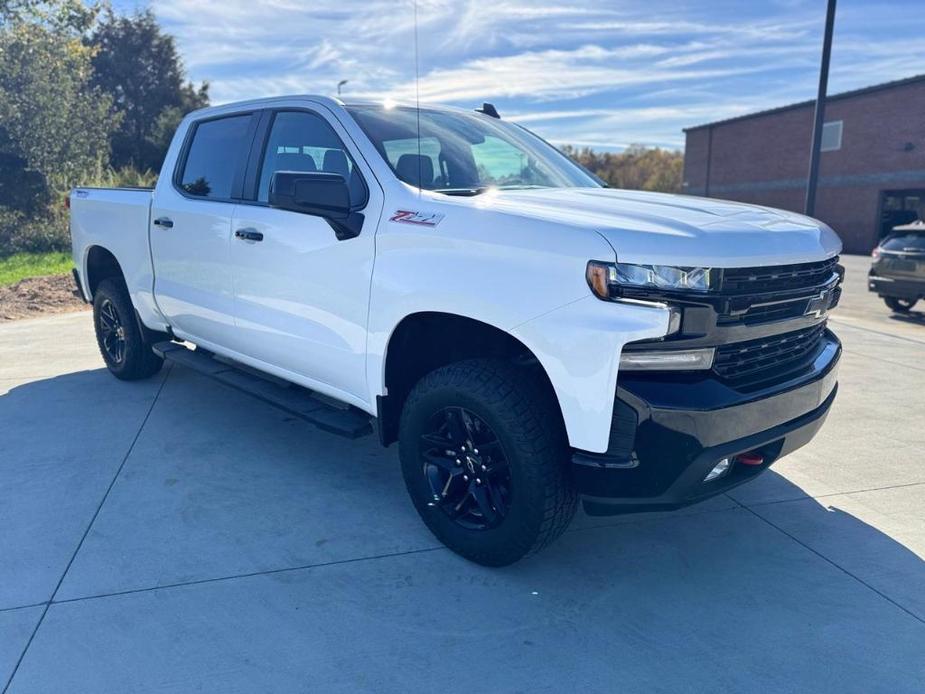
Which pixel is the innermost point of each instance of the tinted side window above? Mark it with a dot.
(214, 157)
(301, 141)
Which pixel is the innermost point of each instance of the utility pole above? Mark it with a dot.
(819, 121)
(341, 84)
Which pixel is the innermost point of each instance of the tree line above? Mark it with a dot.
(635, 168)
(87, 97)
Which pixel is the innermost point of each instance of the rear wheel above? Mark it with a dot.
(899, 305)
(485, 460)
(122, 344)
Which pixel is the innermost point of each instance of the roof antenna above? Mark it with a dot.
(417, 95)
(489, 110)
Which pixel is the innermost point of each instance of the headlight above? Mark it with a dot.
(605, 279)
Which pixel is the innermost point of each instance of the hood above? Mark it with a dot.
(663, 229)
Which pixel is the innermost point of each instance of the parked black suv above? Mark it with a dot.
(898, 271)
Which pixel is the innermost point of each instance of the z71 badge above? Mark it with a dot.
(424, 219)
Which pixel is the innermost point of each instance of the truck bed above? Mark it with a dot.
(117, 220)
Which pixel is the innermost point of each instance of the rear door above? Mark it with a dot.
(191, 228)
(302, 295)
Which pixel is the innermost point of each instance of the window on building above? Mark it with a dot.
(831, 136)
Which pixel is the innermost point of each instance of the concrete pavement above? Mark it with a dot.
(173, 535)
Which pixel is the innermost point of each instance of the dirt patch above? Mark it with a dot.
(39, 296)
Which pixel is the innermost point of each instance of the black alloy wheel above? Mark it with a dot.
(466, 469)
(112, 332)
(124, 345)
(485, 458)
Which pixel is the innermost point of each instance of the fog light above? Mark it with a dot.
(720, 469)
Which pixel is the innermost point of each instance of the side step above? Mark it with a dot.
(303, 403)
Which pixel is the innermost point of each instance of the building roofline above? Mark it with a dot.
(803, 104)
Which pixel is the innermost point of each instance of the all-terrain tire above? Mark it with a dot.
(132, 358)
(524, 417)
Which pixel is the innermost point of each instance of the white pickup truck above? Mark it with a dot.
(528, 336)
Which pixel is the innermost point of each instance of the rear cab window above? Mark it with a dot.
(215, 156)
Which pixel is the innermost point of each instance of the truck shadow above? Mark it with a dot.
(218, 484)
(913, 317)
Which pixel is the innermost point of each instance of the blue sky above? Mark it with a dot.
(602, 74)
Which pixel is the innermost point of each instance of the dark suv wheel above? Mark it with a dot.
(126, 353)
(485, 458)
(899, 305)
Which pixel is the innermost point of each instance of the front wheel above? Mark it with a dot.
(899, 305)
(485, 459)
(127, 354)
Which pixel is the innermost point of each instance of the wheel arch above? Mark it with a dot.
(426, 340)
(100, 264)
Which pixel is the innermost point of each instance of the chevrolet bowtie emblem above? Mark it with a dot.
(818, 305)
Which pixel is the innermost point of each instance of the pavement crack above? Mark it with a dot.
(251, 574)
(86, 532)
(851, 324)
(831, 562)
(809, 497)
(881, 360)
(22, 607)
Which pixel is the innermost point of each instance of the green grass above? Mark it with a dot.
(22, 265)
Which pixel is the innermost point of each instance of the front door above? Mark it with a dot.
(302, 296)
(191, 230)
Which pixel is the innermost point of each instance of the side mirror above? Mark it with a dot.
(319, 194)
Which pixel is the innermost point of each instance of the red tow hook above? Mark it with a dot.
(750, 459)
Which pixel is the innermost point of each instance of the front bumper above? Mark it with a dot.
(671, 430)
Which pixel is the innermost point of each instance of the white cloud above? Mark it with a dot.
(578, 71)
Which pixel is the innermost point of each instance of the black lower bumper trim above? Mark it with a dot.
(687, 425)
(689, 488)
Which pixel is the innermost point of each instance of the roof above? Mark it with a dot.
(330, 101)
(803, 104)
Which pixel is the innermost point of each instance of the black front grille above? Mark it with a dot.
(764, 314)
(774, 278)
(769, 356)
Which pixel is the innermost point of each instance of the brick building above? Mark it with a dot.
(872, 169)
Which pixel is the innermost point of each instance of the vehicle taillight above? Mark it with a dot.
(67, 202)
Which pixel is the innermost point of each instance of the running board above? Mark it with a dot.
(315, 408)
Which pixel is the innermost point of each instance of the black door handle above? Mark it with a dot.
(248, 235)
(165, 222)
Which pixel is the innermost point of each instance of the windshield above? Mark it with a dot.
(465, 154)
